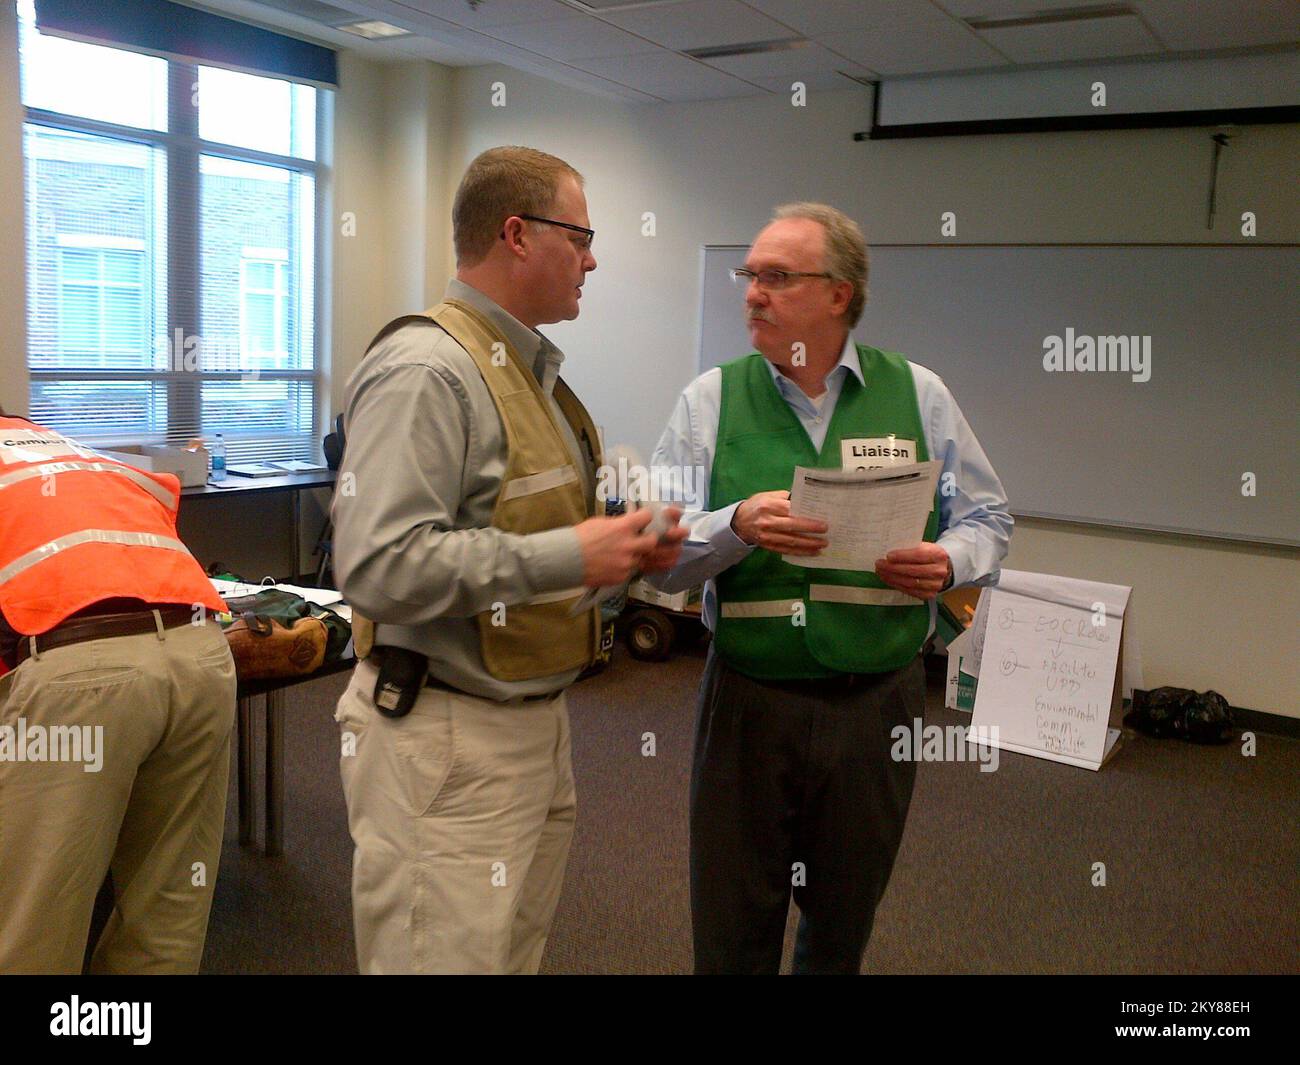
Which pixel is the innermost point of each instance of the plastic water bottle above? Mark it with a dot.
(219, 459)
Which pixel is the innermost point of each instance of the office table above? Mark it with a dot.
(294, 483)
(272, 692)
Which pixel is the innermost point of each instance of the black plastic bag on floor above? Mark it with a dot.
(1198, 717)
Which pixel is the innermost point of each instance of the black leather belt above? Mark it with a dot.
(102, 627)
(430, 681)
(836, 684)
(433, 682)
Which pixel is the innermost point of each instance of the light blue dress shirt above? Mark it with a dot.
(974, 523)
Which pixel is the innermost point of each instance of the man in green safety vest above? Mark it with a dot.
(793, 789)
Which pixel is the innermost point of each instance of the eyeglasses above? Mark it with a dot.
(589, 234)
(770, 279)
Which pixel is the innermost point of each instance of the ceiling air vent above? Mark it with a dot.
(984, 23)
(312, 9)
(722, 51)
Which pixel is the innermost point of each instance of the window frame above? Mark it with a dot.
(182, 148)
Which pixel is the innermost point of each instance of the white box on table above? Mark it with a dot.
(190, 466)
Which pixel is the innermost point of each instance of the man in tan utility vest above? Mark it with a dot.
(465, 533)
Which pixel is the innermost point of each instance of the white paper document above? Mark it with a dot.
(868, 512)
(319, 596)
(233, 590)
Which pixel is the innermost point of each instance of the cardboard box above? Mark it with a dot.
(190, 466)
(959, 693)
(680, 602)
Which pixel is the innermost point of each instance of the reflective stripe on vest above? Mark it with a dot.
(49, 468)
(539, 482)
(840, 593)
(89, 536)
(771, 608)
(820, 593)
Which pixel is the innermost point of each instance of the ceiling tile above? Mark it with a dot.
(799, 63)
(679, 93)
(664, 72)
(825, 82)
(1083, 39)
(1211, 24)
(828, 16)
(913, 41)
(816, 18)
(490, 12)
(581, 37)
(699, 24)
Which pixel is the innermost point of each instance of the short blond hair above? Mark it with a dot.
(846, 249)
(499, 183)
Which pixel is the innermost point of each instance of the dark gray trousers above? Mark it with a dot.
(793, 790)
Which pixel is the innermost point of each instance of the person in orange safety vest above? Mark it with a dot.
(116, 713)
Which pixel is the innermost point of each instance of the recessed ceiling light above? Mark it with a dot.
(374, 29)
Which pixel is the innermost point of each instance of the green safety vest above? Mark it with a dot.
(851, 621)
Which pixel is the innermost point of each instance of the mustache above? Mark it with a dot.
(758, 316)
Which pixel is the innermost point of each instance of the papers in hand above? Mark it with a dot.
(868, 512)
(658, 527)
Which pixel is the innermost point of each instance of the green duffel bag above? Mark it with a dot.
(286, 608)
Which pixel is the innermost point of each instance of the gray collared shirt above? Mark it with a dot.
(414, 549)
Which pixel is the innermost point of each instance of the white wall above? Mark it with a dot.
(1207, 614)
(392, 161)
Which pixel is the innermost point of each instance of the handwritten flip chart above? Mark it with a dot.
(1050, 663)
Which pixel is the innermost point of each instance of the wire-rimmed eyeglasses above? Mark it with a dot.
(769, 279)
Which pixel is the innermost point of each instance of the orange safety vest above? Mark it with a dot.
(77, 527)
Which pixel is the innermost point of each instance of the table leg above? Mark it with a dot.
(274, 773)
(244, 770)
(297, 533)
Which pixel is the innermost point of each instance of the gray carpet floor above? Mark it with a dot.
(995, 875)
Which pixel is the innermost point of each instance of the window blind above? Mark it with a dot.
(173, 212)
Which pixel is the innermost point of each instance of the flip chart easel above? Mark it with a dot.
(1051, 667)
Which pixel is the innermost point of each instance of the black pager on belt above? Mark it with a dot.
(401, 676)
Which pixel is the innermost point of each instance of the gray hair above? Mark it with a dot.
(846, 249)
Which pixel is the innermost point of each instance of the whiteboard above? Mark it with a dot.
(1167, 454)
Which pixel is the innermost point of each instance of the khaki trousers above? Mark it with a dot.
(157, 716)
(462, 813)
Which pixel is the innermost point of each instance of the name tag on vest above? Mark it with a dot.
(874, 452)
(33, 445)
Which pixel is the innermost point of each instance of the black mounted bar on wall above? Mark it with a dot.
(1226, 116)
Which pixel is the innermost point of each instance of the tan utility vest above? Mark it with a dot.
(540, 490)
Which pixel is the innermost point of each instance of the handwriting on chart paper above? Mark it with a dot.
(1050, 670)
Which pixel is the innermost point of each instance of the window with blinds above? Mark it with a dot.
(172, 249)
